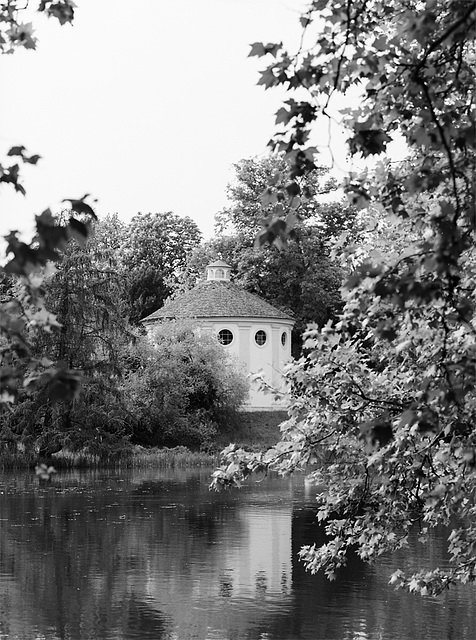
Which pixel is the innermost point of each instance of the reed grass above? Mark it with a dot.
(173, 457)
(16, 460)
(138, 457)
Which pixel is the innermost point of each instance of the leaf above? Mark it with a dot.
(63, 384)
(268, 197)
(20, 151)
(62, 11)
(274, 232)
(80, 206)
(359, 199)
(369, 142)
(268, 79)
(402, 346)
(78, 230)
(32, 159)
(22, 34)
(259, 49)
(283, 116)
(16, 151)
(381, 44)
(293, 189)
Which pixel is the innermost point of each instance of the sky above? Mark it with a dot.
(145, 105)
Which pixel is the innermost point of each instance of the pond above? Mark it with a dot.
(155, 555)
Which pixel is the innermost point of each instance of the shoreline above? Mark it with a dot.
(251, 430)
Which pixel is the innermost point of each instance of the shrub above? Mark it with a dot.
(183, 387)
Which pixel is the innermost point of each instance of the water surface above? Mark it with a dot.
(155, 555)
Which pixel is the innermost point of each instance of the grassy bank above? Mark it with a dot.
(251, 430)
(256, 431)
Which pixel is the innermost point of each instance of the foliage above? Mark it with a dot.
(385, 398)
(94, 423)
(83, 295)
(110, 235)
(153, 253)
(257, 197)
(15, 34)
(256, 194)
(24, 315)
(413, 64)
(304, 280)
(181, 387)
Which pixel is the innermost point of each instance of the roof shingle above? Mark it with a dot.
(213, 299)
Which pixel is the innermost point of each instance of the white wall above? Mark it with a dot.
(269, 358)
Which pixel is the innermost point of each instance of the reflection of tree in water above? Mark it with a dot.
(285, 586)
(70, 547)
(203, 512)
(225, 589)
(202, 522)
(362, 596)
(76, 554)
(142, 620)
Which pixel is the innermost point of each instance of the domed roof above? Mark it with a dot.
(217, 299)
(219, 263)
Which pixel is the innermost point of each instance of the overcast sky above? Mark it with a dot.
(146, 105)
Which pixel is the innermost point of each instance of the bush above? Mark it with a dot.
(183, 387)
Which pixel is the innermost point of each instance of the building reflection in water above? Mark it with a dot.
(132, 557)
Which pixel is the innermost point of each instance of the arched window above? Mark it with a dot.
(219, 273)
(225, 337)
(283, 338)
(260, 337)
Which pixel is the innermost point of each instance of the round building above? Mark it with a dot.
(254, 331)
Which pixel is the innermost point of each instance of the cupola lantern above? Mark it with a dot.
(218, 270)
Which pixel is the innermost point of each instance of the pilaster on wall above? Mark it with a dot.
(244, 351)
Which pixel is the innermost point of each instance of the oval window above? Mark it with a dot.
(225, 336)
(283, 338)
(260, 337)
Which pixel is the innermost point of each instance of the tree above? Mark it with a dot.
(83, 294)
(258, 186)
(385, 398)
(303, 280)
(256, 195)
(154, 253)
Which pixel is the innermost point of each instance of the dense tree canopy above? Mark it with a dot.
(83, 294)
(385, 399)
(154, 252)
(303, 280)
(257, 188)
